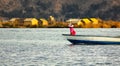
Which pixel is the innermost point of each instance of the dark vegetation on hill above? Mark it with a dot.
(61, 9)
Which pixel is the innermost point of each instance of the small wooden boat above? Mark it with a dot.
(91, 39)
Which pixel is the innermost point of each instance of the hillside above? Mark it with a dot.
(60, 9)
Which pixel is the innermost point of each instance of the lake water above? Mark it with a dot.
(47, 47)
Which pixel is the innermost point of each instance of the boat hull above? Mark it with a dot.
(92, 42)
(83, 39)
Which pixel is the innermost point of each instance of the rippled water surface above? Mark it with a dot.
(47, 47)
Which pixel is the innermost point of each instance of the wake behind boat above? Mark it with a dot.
(91, 39)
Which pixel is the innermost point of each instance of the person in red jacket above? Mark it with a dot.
(72, 31)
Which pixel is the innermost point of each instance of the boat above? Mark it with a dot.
(92, 39)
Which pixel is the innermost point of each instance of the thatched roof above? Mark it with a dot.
(29, 19)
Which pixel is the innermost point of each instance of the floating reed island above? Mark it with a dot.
(51, 22)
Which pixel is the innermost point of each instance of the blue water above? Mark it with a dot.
(47, 47)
